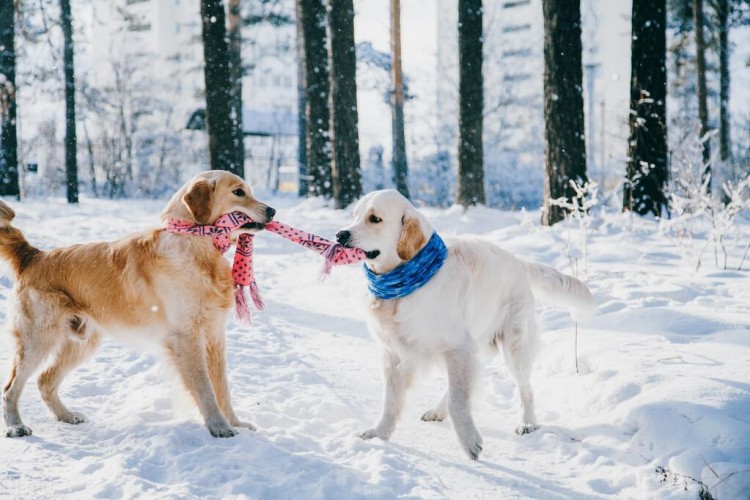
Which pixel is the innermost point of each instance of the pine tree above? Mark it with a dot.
(312, 14)
(224, 135)
(471, 103)
(400, 164)
(236, 72)
(71, 142)
(8, 132)
(722, 8)
(647, 169)
(347, 178)
(565, 151)
(700, 62)
(301, 122)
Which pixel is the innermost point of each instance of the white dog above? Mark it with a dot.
(455, 303)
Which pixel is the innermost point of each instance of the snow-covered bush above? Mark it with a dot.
(703, 219)
(579, 222)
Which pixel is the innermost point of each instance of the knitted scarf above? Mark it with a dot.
(411, 275)
(242, 267)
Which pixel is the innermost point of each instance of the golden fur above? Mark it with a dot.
(175, 290)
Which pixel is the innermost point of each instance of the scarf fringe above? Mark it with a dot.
(242, 308)
(329, 256)
(258, 301)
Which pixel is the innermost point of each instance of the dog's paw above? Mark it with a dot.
(245, 425)
(72, 417)
(222, 431)
(526, 429)
(15, 431)
(373, 433)
(472, 445)
(433, 416)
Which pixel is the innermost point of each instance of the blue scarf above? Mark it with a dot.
(411, 275)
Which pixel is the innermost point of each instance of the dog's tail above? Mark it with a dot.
(559, 289)
(13, 245)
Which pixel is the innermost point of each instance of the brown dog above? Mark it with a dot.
(172, 289)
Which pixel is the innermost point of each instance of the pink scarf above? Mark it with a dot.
(242, 267)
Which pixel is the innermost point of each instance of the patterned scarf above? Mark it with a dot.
(242, 267)
(411, 275)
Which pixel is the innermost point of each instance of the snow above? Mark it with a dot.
(663, 382)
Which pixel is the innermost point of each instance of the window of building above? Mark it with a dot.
(515, 28)
(517, 53)
(516, 77)
(288, 82)
(139, 26)
(515, 3)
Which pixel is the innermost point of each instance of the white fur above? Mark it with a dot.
(481, 298)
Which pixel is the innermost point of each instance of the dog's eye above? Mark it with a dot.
(374, 219)
(239, 192)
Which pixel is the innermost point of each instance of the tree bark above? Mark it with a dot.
(565, 148)
(312, 14)
(234, 24)
(347, 179)
(301, 123)
(700, 62)
(471, 103)
(223, 133)
(9, 185)
(648, 169)
(400, 164)
(470, 182)
(725, 142)
(71, 141)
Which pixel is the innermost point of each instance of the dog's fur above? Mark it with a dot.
(175, 290)
(482, 298)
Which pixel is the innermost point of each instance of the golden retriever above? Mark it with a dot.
(482, 297)
(175, 290)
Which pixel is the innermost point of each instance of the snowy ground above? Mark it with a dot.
(664, 381)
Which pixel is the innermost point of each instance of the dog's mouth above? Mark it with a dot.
(372, 254)
(257, 226)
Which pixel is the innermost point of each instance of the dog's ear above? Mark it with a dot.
(199, 199)
(412, 237)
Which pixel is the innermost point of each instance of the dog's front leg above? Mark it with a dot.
(189, 356)
(461, 365)
(217, 371)
(396, 379)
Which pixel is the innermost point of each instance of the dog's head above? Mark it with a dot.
(209, 195)
(388, 228)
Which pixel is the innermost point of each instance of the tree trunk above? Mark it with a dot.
(400, 164)
(8, 133)
(647, 169)
(347, 179)
(301, 124)
(565, 148)
(312, 15)
(725, 142)
(471, 103)
(700, 62)
(223, 134)
(234, 23)
(71, 142)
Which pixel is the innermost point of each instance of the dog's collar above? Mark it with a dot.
(411, 275)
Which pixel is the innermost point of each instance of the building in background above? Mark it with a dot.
(164, 37)
(514, 105)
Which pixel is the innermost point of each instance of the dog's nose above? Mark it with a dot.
(343, 237)
(270, 212)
